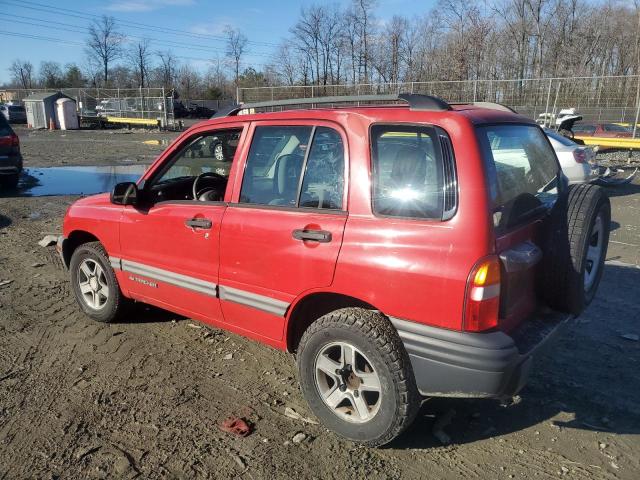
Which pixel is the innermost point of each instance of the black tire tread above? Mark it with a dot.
(562, 281)
(120, 301)
(375, 326)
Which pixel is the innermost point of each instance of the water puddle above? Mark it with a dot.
(36, 182)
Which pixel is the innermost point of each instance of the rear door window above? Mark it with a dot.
(407, 171)
(522, 171)
(295, 166)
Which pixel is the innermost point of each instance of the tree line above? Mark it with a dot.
(330, 44)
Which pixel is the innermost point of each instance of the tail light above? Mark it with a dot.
(10, 141)
(580, 155)
(482, 302)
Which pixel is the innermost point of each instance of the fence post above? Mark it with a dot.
(555, 100)
(475, 90)
(546, 109)
(164, 108)
(237, 95)
(635, 123)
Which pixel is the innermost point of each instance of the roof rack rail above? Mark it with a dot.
(490, 105)
(415, 101)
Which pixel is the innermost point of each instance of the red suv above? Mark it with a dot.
(400, 250)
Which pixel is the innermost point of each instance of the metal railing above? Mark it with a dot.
(597, 99)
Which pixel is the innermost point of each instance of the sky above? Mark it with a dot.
(50, 30)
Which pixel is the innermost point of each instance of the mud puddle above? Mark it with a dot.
(89, 180)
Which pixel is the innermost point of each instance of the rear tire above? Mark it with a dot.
(357, 376)
(94, 283)
(576, 249)
(9, 181)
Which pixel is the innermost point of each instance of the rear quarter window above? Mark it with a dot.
(407, 171)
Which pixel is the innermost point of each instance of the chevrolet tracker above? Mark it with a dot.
(401, 249)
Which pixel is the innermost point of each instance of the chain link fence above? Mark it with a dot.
(597, 99)
(139, 103)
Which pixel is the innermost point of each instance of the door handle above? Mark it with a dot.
(204, 223)
(321, 236)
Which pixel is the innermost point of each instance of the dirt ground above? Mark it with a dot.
(144, 398)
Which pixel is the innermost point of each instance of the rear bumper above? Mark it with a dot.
(10, 164)
(458, 364)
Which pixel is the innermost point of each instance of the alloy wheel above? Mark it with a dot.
(347, 382)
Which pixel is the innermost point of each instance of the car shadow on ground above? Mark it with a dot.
(139, 312)
(585, 381)
(4, 221)
(25, 183)
(623, 190)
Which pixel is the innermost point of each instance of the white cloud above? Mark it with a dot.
(145, 5)
(213, 28)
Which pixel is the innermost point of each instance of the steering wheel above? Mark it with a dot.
(203, 191)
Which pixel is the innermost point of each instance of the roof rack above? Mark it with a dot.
(489, 105)
(416, 102)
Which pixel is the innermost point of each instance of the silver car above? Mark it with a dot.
(577, 161)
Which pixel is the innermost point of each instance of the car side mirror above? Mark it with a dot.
(125, 193)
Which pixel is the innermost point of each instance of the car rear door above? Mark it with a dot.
(283, 229)
(523, 175)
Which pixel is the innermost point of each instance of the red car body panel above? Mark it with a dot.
(407, 268)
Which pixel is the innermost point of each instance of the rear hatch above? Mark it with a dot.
(523, 177)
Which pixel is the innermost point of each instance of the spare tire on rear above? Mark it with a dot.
(575, 249)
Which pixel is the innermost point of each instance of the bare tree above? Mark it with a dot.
(104, 43)
(236, 48)
(363, 10)
(139, 57)
(168, 68)
(287, 63)
(22, 73)
(50, 75)
(189, 82)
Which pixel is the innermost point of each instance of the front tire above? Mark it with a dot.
(94, 283)
(357, 376)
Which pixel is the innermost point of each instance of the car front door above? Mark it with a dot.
(282, 231)
(170, 241)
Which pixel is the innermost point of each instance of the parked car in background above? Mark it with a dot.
(10, 157)
(13, 113)
(577, 161)
(200, 111)
(400, 251)
(606, 130)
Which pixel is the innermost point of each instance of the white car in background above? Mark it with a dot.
(577, 161)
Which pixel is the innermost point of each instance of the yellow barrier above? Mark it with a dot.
(611, 142)
(152, 122)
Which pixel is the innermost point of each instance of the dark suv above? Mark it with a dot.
(10, 157)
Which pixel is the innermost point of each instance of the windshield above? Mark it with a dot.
(522, 170)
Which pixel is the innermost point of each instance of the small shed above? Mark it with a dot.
(41, 108)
